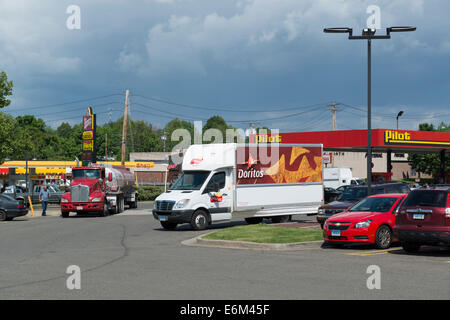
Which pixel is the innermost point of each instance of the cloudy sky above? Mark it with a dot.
(260, 60)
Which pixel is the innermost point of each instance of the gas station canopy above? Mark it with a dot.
(383, 140)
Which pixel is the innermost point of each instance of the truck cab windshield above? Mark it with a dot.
(190, 180)
(86, 174)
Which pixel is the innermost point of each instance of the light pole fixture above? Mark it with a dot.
(399, 115)
(369, 34)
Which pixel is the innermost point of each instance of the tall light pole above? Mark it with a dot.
(399, 115)
(369, 35)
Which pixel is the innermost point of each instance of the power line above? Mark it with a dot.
(226, 108)
(65, 103)
(75, 110)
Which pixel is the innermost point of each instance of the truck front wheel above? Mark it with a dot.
(168, 225)
(64, 214)
(199, 220)
(105, 211)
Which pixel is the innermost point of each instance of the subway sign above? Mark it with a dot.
(393, 137)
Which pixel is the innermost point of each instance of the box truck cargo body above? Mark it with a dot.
(336, 177)
(252, 182)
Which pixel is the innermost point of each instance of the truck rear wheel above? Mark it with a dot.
(199, 220)
(280, 219)
(121, 205)
(253, 220)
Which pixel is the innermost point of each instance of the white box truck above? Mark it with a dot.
(251, 181)
(336, 177)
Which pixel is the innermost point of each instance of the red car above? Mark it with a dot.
(424, 219)
(371, 220)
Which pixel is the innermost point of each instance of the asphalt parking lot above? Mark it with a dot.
(129, 256)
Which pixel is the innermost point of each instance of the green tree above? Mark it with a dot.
(5, 90)
(429, 163)
(9, 143)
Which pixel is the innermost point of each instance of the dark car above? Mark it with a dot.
(424, 218)
(342, 188)
(11, 208)
(353, 194)
(330, 194)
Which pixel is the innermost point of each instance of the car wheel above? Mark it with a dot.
(2, 215)
(199, 220)
(411, 247)
(383, 237)
(168, 225)
(253, 220)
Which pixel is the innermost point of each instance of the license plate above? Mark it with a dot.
(418, 216)
(336, 233)
(162, 218)
(79, 208)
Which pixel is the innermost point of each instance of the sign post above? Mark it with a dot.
(88, 146)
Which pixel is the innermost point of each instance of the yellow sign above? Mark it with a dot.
(391, 136)
(88, 135)
(88, 145)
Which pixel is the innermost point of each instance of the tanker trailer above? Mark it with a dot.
(99, 189)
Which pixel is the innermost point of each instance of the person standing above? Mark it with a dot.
(43, 197)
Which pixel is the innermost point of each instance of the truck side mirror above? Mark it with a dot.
(110, 176)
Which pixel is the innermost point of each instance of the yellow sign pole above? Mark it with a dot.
(31, 205)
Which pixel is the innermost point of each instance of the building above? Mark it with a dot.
(357, 161)
(155, 175)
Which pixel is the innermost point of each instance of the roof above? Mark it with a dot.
(389, 195)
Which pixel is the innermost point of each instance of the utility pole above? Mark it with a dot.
(106, 147)
(124, 130)
(334, 110)
(251, 123)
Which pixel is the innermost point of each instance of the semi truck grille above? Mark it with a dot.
(164, 205)
(79, 193)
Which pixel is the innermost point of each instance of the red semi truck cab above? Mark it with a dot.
(100, 190)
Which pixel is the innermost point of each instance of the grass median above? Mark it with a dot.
(262, 233)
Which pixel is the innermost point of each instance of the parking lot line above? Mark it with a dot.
(372, 252)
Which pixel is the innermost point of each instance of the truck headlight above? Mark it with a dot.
(182, 203)
(64, 200)
(363, 224)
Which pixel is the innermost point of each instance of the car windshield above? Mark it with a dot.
(374, 205)
(353, 194)
(190, 180)
(86, 174)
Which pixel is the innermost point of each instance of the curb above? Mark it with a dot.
(230, 244)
